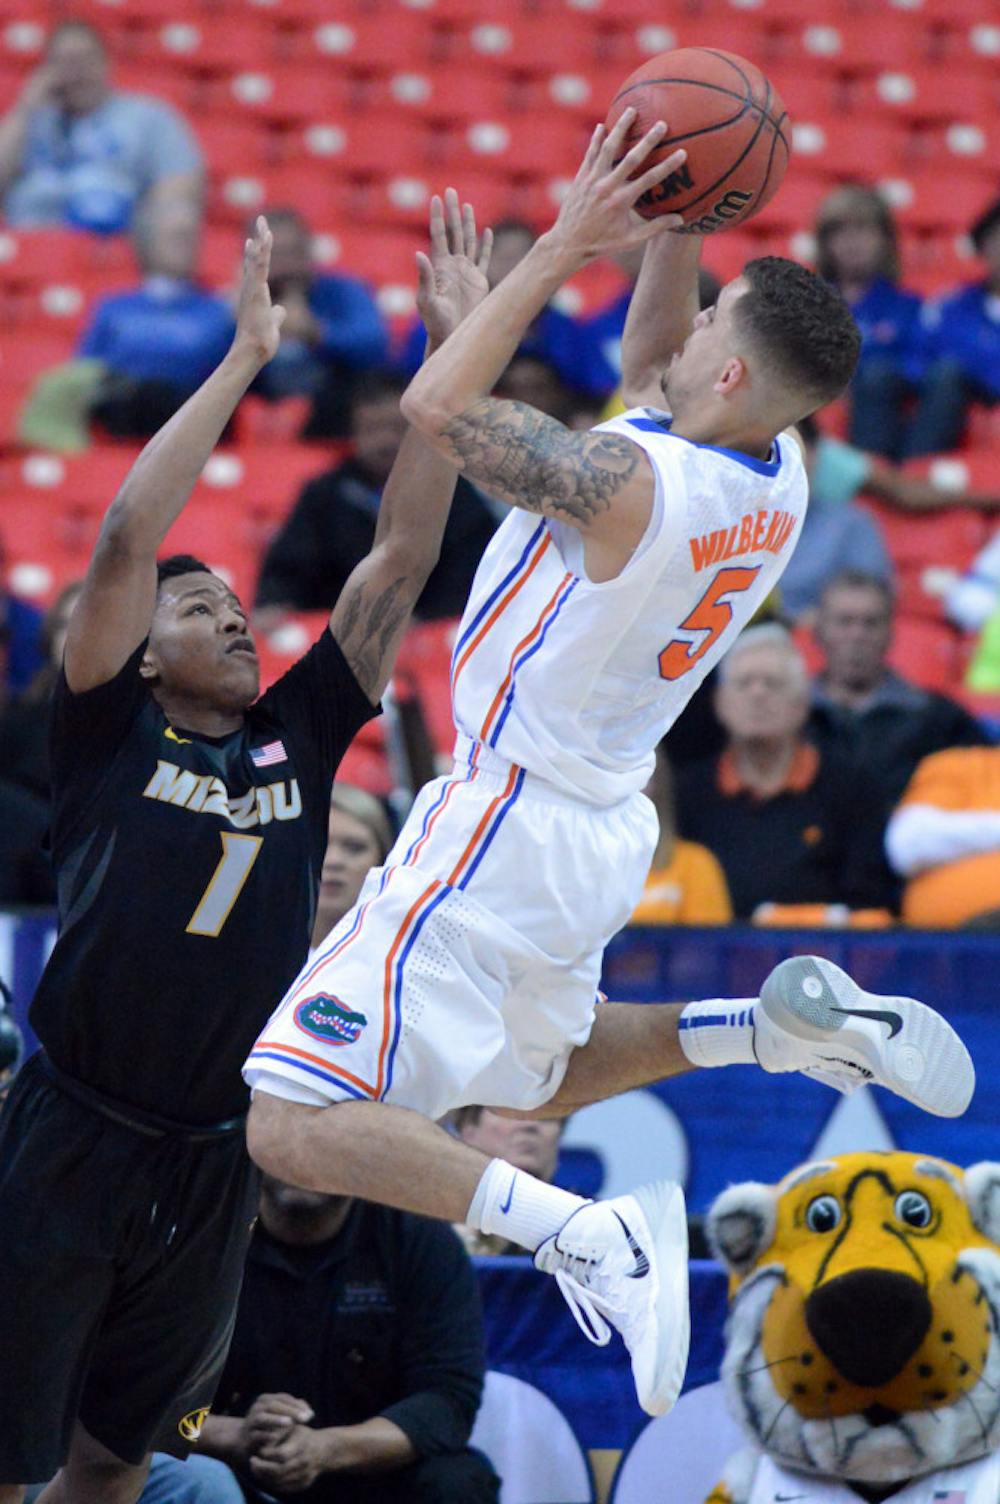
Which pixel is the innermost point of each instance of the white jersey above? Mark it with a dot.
(577, 682)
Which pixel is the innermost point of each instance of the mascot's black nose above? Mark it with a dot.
(869, 1323)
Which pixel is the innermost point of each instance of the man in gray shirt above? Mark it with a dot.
(74, 151)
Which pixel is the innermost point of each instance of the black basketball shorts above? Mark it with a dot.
(121, 1258)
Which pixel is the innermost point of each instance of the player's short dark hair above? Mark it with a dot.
(175, 564)
(801, 325)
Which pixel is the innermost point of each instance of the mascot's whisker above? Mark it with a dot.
(972, 1406)
(745, 1373)
(973, 1369)
(767, 1434)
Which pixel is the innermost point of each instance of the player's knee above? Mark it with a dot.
(277, 1134)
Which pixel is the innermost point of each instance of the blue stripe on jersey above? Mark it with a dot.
(498, 821)
(760, 467)
(300, 1065)
(427, 819)
(495, 596)
(509, 698)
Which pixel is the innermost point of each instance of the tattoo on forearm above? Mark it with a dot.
(535, 462)
(371, 625)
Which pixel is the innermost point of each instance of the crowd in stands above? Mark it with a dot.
(837, 720)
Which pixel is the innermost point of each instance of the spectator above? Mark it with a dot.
(857, 250)
(361, 1326)
(359, 838)
(162, 339)
(535, 380)
(837, 534)
(879, 723)
(552, 338)
(24, 725)
(532, 1146)
(685, 885)
(75, 151)
(964, 342)
(790, 825)
(944, 839)
(332, 525)
(332, 329)
(21, 651)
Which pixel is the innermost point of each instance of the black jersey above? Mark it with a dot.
(188, 869)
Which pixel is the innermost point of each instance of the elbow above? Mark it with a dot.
(422, 412)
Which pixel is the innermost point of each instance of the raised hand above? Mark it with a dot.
(258, 321)
(598, 215)
(451, 281)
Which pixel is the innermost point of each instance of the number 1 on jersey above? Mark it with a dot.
(226, 884)
(712, 614)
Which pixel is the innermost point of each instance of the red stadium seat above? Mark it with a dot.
(209, 43)
(265, 480)
(926, 652)
(975, 470)
(44, 547)
(235, 147)
(174, 85)
(363, 145)
(976, 44)
(363, 43)
(33, 257)
(793, 206)
(931, 93)
(973, 145)
(521, 146)
(928, 201)
(280, 94)
(810, 97)
(403, 200)
(520, 44)
(22, 39)
(439, 94)
(837, 147)
(856, 44)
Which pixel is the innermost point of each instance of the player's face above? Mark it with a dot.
(854, 627)
(714, 340)
(200, 645)
(351, 849)
(532, 1147)
(762, 697)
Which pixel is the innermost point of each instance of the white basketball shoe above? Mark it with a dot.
(812, 1018)
(623, 1263)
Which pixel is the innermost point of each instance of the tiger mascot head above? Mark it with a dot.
(862, 1342)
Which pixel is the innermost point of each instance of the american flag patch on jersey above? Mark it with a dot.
(270, 753)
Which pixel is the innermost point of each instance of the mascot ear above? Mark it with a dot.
(741, 1223)
(982, 1192)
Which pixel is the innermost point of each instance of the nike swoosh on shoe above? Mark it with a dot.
(880, 1015)
(641, 1261)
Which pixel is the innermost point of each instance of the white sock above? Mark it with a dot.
(517, 1206)
(719, 1032)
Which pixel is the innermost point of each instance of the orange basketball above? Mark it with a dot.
(732, 124)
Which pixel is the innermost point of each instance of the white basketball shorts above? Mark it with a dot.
(467, 972)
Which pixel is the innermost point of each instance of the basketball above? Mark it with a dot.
(732, 124)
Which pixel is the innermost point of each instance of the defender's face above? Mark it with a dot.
(200, 645)
(377, 428)
(714, 339)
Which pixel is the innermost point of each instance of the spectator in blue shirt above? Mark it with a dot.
(554, 337)
(857, 250)
(74, 151)
(162, 339)
(332, 331)
(599, 347)
(837, 534)
(963, 331)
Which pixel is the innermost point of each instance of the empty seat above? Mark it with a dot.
(521, 146)
(838, 147)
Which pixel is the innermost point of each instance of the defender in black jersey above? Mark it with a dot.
(189, 827)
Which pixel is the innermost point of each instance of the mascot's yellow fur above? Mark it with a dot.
(862, 1348)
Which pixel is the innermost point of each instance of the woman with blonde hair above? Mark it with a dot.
(359, 837)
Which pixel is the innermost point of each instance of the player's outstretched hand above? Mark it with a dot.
(598, 215)
(451, 281)
(258, 321)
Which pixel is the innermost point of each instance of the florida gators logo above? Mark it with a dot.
(328, 1019)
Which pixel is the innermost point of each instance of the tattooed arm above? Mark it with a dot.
(375, 605)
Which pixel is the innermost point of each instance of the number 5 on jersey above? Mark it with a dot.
(711, 615)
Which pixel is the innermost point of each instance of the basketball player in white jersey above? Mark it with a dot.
(468, 971)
